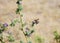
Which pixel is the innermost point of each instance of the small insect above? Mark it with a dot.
(35, 22)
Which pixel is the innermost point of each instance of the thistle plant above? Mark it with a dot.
(57, 37)
(28, 32)
(18, 11)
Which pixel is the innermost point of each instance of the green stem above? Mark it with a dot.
(21, 22)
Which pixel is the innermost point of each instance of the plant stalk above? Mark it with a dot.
(21, 23)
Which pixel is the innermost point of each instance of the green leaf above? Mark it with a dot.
(16, 20)
(0, 24)
(1, 38)
(23, 24)
(56, 33)
(2, 41)
(12, 24)
(2, 29)
(31, 31)
(17, 11)
(29, 42)
(21, 15)
(11, 38)
(57, 36)
(39, 39)
(20, 7)
(21, 41)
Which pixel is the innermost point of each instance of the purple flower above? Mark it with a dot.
(5, 24)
